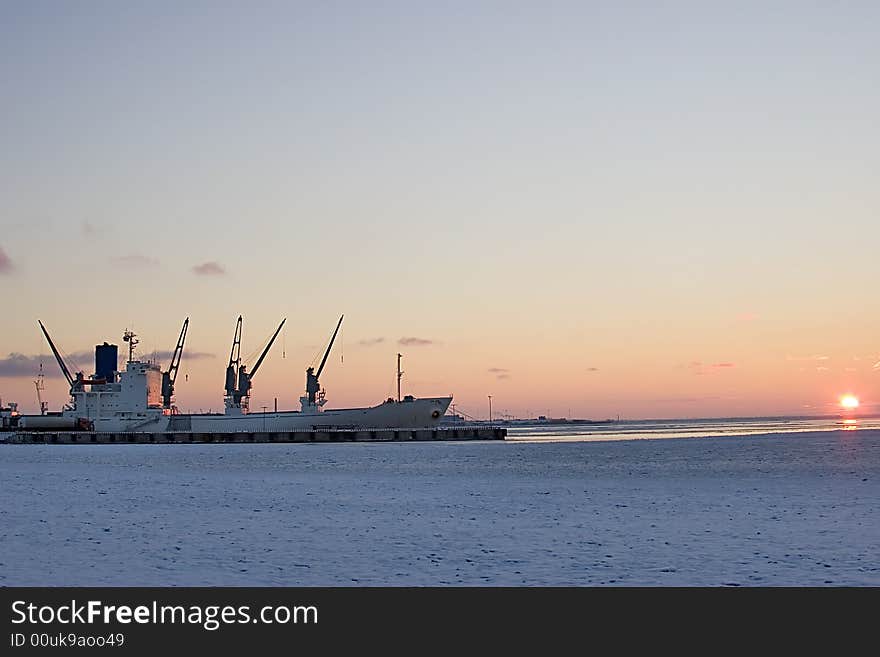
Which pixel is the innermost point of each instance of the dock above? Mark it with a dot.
(316, 436)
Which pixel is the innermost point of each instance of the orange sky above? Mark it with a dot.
(654, 211)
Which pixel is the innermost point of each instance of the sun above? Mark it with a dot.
(849, 402)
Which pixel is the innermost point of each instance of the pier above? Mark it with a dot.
(316, 436)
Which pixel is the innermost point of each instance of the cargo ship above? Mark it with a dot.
(140, 399)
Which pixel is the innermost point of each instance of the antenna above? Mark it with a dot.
(131, 338)
(399, 376)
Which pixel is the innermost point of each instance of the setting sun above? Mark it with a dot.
(849, 402)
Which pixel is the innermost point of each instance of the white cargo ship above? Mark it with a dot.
(140, 399)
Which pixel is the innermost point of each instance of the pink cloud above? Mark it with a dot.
(698, 368)
(415, 342)
(209, 269)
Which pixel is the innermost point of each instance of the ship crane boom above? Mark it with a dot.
(169, 377)
(64, 370)
(268, 347)
(234, 360)
(329, 347)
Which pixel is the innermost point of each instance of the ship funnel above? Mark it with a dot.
(106, 358)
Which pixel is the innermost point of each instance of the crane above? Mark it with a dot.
(39, 383)
(244, 377)
(169, 377)
(237, 396)
(64, 369)
(312, 385)
(234, 360)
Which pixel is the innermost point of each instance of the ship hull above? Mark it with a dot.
(410, 414)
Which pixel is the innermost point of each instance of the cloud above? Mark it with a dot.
(699, 368)
(15, 364)
(498, 370)
(85, 354)
(746, 317)
(135, 261)
(592, 369)
(371, 342)
(503, 376)
(209, 269)
(88, 228)
(20, 365)
(415, 342)
(803, 358)
(5, 263)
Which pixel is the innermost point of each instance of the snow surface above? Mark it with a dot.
(783, 509)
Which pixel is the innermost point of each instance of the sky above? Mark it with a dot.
(583, 209)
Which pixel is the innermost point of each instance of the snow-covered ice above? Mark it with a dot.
(792, 509)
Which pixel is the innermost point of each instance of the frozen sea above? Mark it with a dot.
(711, 504)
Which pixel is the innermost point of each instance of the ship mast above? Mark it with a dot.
(131, 338)
(399, 376)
